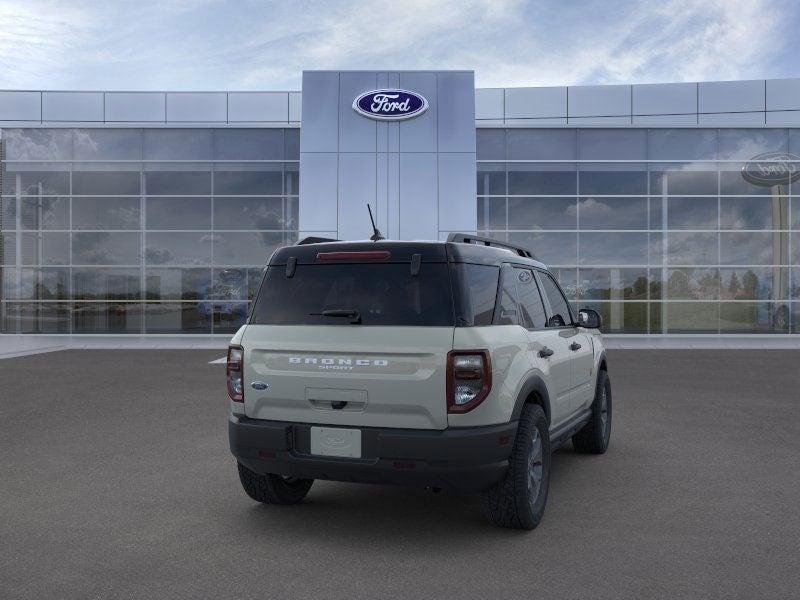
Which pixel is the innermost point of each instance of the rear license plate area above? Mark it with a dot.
(335, 441)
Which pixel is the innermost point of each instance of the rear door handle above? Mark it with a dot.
(545, 352)
(574, 346)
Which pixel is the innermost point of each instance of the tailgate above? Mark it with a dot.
(376, 376)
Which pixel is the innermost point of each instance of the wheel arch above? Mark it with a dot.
(533, 391)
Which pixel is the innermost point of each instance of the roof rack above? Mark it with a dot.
(314, 240)
(464, 238)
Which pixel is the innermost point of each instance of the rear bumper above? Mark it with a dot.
(461, 460)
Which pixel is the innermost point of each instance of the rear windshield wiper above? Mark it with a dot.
(347, 313)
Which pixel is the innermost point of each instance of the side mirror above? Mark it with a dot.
(590, 319)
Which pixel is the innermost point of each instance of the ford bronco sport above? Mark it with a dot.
(455, 365)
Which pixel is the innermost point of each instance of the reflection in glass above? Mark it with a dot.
(248, 144)
(754, 317)
(178, 248)
(678, 182)
(46, 248)
(241, 249)
(732, 182)
(38, 144)
(178, 144)
(44, 284)
(177, 213)
(755, 283)
(550, 248)
(621, 317)
(744, 144)
(612, 144)
(613, 182)
(36, 181)
(541, 144)
(542, 213)
(107, 144)
(177, 317)
(693, 284)
(229, 317)
(754, 213)
(105, 213)
(612, 213)
(692, 248)
(248, 182)
(177, 284)
(42, 212)
(613, 284)
(492, 213)
(522, 180)
(35, 317)
(177, 183)
(106, 284)
(112, 183)
(692, 213)
(613, 249)
(236, 284)
(755, 248)
(691, 317)
(491, 179)
(249, 213)
(490, 144)
(107, 317)
(106, 248)
(682, 144)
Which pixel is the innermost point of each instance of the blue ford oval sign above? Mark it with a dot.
(772, 168)
(390, 105)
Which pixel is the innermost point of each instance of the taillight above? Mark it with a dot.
(235, 373)
(469, 379)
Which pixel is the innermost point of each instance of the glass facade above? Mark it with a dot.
(656, 229)
(141, 230)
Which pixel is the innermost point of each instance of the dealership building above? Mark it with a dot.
(671, 209)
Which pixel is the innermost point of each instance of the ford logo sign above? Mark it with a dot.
(772, 168)
(390, 105)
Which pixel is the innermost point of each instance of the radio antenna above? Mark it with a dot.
(376, 234)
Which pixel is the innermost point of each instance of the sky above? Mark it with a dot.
(265, 45)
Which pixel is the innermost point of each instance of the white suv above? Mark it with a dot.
(455, 365)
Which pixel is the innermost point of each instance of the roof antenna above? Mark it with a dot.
(376, 235)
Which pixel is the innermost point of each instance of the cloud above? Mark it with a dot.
(210, 44)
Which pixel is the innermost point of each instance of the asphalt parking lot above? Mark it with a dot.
(116, 482)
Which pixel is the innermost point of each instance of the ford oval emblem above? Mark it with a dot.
(772, 168)
(259, 385)
(390, 105)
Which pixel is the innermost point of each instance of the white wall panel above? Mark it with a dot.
(318, 191)
(536, 103)
(418, 196)
(20, 106)
(457, 193)
(72, 106)
(664, 98)
(258, 106)
(357, 187)
(599, 100)
(783, 94)
(489, 103)
(731, 96)
(136, 107)
(197, 107)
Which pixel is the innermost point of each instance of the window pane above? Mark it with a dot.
(732, 182)
(490, 144)
(745, 144)
(43, 212)
(523, 181)
(692, 213)
(102, 317)
(612, 213)
(229, 317)
(245, 248)
(36, 284)
(45, 248)
(38, 144)
(613, 284)
(105, 213)
(291, 144)
(559, 309)
(177, 284)
(178, 248)
(106, 284)
(692, 249)
(492, 213)
(542, 213)
(612, 144)
(36, 317)
(184, 317)
(613, 249)
(250, 183)
(177, 183)
(621, 317)
(248, 144)
(613, 182)
(35, 182)
(755, 283)
(236, 284)
(754, 213)
(693, 284)
(249, 213)
(550, 248)
(291, 179)
(691, 317)
(751, 248)
(682, 144)
(103, 248)
(178, 144)
(541, 144)
(178, 213)
(753, 317)
(116, 183)
(107, 144)
(530, 301)
(491, 179)
(794, 288)
(683, 183)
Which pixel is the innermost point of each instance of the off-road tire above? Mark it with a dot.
(593, 438)
(273, 489)
(514, 502)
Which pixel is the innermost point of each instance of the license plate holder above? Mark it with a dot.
(336, 441)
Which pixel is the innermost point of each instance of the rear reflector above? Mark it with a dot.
(355, 256)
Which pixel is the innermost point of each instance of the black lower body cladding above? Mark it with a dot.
(462, 460)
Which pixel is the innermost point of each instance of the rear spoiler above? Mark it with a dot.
(314, 240)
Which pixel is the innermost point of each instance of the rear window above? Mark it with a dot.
(382, 294)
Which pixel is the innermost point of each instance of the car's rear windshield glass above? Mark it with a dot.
(381, 294)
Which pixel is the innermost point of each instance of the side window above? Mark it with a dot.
(507, 298)
(559, 308)
(530, 302)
